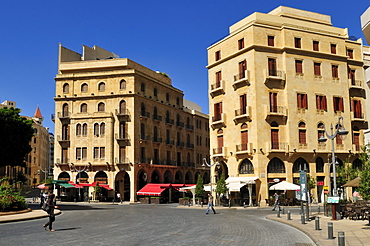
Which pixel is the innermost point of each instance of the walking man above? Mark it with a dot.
(277, 201)
(210, 204)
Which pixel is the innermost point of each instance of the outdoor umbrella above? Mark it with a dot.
(284, 185)
(42, 187)
(353, 183)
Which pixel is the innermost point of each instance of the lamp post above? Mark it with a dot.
(341, 131)
(205, 163)
(79, 170)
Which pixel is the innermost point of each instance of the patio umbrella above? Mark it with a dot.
(353, 183)
(284, 185)
(42, 187)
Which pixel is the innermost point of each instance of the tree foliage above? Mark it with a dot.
(199, 188)
(221, 187)
(364, 188)
(16, 133)
(346, 173)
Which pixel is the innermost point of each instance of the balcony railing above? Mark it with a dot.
(217, 88)
(170, 142)
(357, 116)
(144, 114)
(144, 137)
(189, 127)
(180, 124)
(122, 160)
(355, 83)
(62, 161)
(276, 110)
(242, 113)
(63, 138)
(279, 146)
(157, 140)
(241, 79)
(122, 112)
(189, 145)
(274, 74)
(180, 144)
(122, 137)
(157, 117)
(242, 147)
(170, 121)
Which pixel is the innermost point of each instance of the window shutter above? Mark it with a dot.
(318, 102)
(299, 101)
(324, 103)
(305, 104)
(341, 105)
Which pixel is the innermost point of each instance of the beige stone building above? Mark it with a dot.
(275, 81)
(123, 125)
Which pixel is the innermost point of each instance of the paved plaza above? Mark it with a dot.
(140, 224)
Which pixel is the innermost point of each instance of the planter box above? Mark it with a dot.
(155, 200)
(184, 202)
(145, 200)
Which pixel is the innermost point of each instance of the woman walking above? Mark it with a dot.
(51, 204)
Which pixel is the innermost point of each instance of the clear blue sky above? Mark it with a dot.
(171, 36)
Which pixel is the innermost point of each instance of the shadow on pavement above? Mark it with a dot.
(68, 229)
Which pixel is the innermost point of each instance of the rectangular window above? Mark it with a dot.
(78, 153)
(217, 111)
(302, 101)
(96, 152)
(321, 102)
(302, 136)
(64, 155)
(273, 102)
(351, 76)
(270, 40)
(142, 155)
(356, 109)
(297, 43)
(356, 141)
(218, 79)
(217, 55)
(333, 48)
(334, 71)
(315, 45)
(241, 43)
(243, 104)
(242, 68)
(272, 66)
(350, 53)
(298, 66)
(317, 69)
(338, 104)
(102, 152)
(275, 138)
(84, 153)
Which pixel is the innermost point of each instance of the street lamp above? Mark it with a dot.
(205, 163)
(341, 131)
(79, 170)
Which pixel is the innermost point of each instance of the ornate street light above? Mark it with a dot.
(205, 163)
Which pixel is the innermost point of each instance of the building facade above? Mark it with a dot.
(275, 81)
(122, 125)
(365, 25)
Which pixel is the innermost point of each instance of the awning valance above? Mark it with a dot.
(66, 185)
(245, 180)
(151, 190)
(235, 186)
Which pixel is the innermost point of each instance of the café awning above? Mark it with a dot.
(242, 180)
(151, 190)
(66, 185)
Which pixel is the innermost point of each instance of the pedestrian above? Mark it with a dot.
(355, 196)
(51, 204)
(210, 204)
(277, 201)
(119, 197)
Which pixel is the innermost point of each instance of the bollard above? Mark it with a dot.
(318, 209)
(278, 213)
(189, 204)
(75, 199)
(229, 203)
(282, 211)
(244, 204)
(201, 204)
(317, 223)
(330, 230)
(302, 219)
(341, 239)
(288, 216)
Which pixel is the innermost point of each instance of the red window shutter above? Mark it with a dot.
(318, 102)
(305, 104)
(275, 138)
(298, 66)
(352, 105)
(315, 45)
(270, 41)
(243, 103)
(299, 100)
(341, 105)
(244, 137)
(273, 102)
(335, 104)
(302, 136)
(338, 139)
(220, 107)
(324, 103)
(272, 66)
(356, 141)
(317, 71)
(333, 48)
(220, 141)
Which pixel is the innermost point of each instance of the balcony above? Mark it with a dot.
(218, 120)
(180, 124)
(170, 121)
(274, 78)
(170, 142)
(217, 88)
(64, 117)
(243, 114)
(276, 111)
(244, 148)
(180, 144)
(63, 140)
(189, 146)
(122, 139)
(220, 151)
(144, 115)
(278, 147)
(123, 113)
(241, 79)
(157, 117)
(144, 138)
(356, 84)
(62, 161)
(157, 140)
(189, 127)
(357, 116)
(123, 164)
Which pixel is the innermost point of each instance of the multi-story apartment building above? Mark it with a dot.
(123, 125)
(365, 24)
(36, 161)
(275, 81)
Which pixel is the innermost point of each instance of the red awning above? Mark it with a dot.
(105, 186)
(157, 189)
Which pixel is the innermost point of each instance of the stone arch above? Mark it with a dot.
(246, 167)
(357, 163)
(101, 177)
(301, 164)
(142, 179)
(64, 176)
(275, 166)
(155, 178)
(178, 177)
(167, 177)
(188, 178)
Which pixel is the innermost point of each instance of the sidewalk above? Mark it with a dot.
(356, 232)
(32, 214)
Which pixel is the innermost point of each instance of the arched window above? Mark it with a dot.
(65, 112)
(167, 97)
(142, 88)
(300, 164)
(155, 112)
(83, 108)
(220, 142)
(102, 129)
(188, 139)
(122, 107)
(155, 92)
(177, 101)
(275, 135)
(155, 134)
(357, 164)
(78, 129)
(101, 107)
(84, 88)
(143, 113)
(168, 136)
(66, 88)
(319, 165)
(356, 138)
(246, 167)
(122, 84)
(84, 129)
(96, 129)
(142, 131)
(276, 166)
(302, 133)
(178, 139)
(101, 86)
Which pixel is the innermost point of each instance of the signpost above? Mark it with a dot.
(303, 191)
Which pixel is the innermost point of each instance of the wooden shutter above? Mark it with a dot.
(302, 136)
(243, 104)
(341, 104)
(305, 104)
(272, 66)
(275, 138)
(317, 70)
(270, 41)
(298, 66)
(356, 141)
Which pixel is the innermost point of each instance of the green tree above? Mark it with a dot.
(221, 187)
(16, 133)
(199, 188)
(346, 173)
(364, 188)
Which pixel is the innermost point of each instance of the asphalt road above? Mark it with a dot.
(147, 224)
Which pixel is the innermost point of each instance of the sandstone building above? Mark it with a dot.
(275, 81)
(122, 125)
